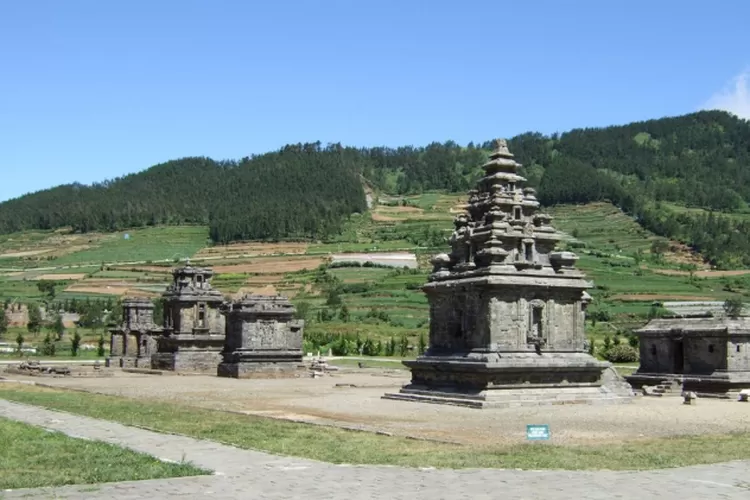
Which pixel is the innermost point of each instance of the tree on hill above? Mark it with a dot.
(46, 287)
(34, 324)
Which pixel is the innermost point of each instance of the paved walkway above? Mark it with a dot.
(243, 474)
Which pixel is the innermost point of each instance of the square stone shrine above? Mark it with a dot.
(264, 340)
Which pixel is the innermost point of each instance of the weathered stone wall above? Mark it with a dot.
(738, 353)
(185, 317)
(656, 354)
(705, 355)
(466, 320)
(117, 344)
(188, 361)
(263, 335)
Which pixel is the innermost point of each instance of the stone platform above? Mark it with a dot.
(202, 360)
(242, 367)
(506, 383)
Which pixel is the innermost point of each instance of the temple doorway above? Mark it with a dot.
(678, 356)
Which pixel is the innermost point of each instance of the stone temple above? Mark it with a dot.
(263, 338)
(194, 328)
(133, 342)
(507, 311)
(706, 355)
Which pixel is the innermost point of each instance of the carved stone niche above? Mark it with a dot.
(535, 332)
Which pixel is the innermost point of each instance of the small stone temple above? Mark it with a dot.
(194, 328)
(507, 311)
(263, 338)
(707, 355)
(133, 342)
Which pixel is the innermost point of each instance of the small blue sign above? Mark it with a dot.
(537, 432)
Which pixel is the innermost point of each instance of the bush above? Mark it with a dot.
(48, 346)
(621, 354)
(100, 346)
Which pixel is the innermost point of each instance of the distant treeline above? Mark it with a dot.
(302, 191)
(654, 170)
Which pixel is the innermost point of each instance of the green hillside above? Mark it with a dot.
(656, 211)
(681, 177)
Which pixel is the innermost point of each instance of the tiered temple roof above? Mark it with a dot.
(502, 231)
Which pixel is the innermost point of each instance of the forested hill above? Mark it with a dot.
(301, 191)
(655, 170)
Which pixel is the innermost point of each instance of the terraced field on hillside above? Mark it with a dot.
(614, 251)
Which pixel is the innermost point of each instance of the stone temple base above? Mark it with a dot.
(128, 362)
(187, 361)
(721, 385)
(513, 382)
(261, 365)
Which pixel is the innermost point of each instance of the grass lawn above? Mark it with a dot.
(31, 457)
(342, 446)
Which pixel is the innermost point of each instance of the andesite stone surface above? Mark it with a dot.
(507, 311)
(194, 328)
(263, 338)
(133, 342)
(709, 356)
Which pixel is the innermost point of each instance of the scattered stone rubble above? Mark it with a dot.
(320, 368)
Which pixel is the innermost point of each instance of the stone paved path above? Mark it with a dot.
(243, 474)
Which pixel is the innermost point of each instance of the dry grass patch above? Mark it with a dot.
(253, 249)
(272, 265)
(61, 276)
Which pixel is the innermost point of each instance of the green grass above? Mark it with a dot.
(154, 243)
(351, 447)
(31, 457)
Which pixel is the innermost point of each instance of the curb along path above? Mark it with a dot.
(245, 474)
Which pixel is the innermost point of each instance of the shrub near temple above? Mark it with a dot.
(621, 353)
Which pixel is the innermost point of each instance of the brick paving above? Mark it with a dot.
(245, 474)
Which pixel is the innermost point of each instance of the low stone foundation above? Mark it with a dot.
(509, 383)
(186, 361)
(128, 362)
(721, 385)
(268, 369)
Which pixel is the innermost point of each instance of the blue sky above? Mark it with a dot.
(90, 90)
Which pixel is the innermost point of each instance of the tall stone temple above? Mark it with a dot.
(133, 341)
(507, 311)
(194, 328)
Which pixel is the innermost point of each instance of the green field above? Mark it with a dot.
(379, 303)
(148, 244)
